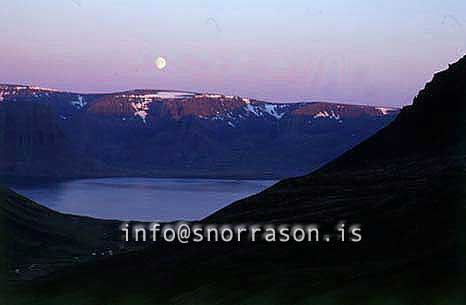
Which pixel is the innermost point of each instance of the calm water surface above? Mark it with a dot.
(141, 198)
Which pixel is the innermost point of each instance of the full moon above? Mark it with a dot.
(161, 63)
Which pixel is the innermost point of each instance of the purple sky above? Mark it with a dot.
(352, 51)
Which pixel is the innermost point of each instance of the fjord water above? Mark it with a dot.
(144, 199)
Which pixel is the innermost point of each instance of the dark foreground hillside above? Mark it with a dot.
(35, 240)
(404, 186)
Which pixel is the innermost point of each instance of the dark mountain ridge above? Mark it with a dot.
(177, 133)
(423, 141)
(433, 126)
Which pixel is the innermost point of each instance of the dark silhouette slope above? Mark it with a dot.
(425, 140)
(35, 240)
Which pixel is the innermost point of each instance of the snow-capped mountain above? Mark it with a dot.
(178, 104)
(162, 132)
(230, 109)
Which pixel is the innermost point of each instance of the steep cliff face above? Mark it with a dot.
(31, 139)
(176, 133)
(151, 105)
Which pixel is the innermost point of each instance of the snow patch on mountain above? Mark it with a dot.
(325, 114)
(273, 110)
(173, 95)
(79, 103)
(13, 91)
(209, 95)
(386, 110)
(159, 95)
(253, 109)
(142, 114)
(13, 88)
(141, 109)
(42, 89)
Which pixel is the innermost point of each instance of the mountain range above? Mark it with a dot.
(404, 186)
(157, 133)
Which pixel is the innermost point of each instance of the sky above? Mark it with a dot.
(350, 51)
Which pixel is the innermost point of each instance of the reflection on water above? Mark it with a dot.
(141, 198)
